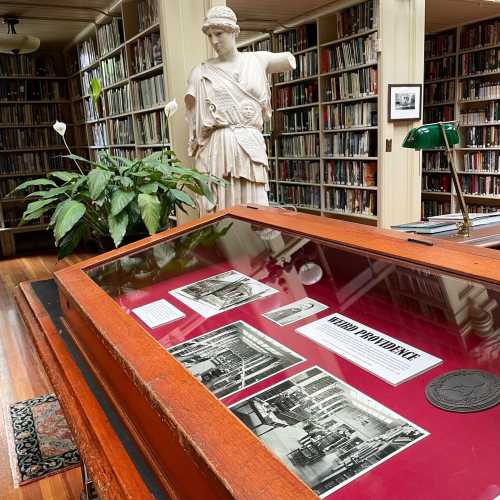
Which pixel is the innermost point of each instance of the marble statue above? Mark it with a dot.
(227, 99)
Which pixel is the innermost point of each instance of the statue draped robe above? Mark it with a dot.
(225, 129)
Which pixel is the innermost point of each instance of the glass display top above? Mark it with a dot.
(324, 353)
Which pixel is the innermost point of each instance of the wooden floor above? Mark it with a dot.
(22, 377)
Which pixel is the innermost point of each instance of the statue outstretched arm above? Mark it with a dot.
(277, 62)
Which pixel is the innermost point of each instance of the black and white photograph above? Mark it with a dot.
(233, 357)
(221, 292)
(324, 430)
(295, 311)
(405, 102)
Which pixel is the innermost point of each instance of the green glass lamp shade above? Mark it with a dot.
(430, 136)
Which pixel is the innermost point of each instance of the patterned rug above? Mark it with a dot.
(43, 441)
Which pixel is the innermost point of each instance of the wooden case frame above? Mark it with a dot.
(168, 412)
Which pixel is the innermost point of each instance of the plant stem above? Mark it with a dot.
(70, 152)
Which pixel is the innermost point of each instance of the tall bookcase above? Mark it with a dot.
(125, 54)
(33, 94)
(463, 83)
(323, 147)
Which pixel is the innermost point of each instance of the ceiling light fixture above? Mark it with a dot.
(14, 43)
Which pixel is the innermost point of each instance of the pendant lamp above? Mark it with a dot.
(14, 43)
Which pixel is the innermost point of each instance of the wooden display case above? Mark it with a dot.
(202, 417)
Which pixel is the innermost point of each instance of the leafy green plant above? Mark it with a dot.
(115, 198)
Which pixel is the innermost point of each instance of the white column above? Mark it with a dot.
(402, 31)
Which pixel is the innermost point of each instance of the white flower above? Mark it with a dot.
(60, 128)
(171, 108)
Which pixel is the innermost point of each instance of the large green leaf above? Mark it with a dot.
(95, 89)
(149, 206)
(55, 192)
(34, 182)
(149, 188)
(118, 227)
(97, 179)
(64, 176)
(70, 241)
(36, 205)
(182, 197)
(36, 214)
(53, 219)
(126, 182)
(119, 200)
(69, 214)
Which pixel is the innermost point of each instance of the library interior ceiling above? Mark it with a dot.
(40, 16)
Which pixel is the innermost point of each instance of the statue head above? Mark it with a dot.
(221, 18)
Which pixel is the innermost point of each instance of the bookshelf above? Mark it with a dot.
(473, 81)
(125, 53)
(33, 95)
(323, 152)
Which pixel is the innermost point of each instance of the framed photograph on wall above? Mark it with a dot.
(405, 102)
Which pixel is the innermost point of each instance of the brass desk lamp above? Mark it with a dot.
(442, 135)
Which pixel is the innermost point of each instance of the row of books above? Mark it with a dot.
(351, 144)
(307, 65)
(121, 131)
(345, 55)
(27, 65)
(297, 39)
(357, 19)
(146, 52)
(118, 100)
(110, 35)
(91, 110)
(480, 62)
(128, 153)
(436, 182)
(16, 138)
(480, 34)
(299, 145)
(263, 45)
(87, 77)
(440, 68)
(342, 116)
(270, 146)
(295, 95)
(435, 114)
(302, 120)
(482, 160)
(482, 208)
(27, 162)
(486, 136)
(152, 128)
(434, 160)
(87, 52)
(354, 201)
(491, 113)
(149, 92)
(480, 184)
(440, 44)
(31, 114)
(477, 89)
(147, 13)
(435, 207)
(98, 134)
(301, 196)
(352, 84)
(351, 173)
(299, 171)
(32, 90)
(113, 70)
(435, 93)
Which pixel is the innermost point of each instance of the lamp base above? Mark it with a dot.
(463, 228)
